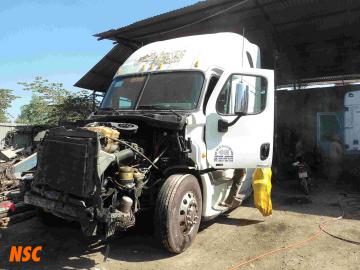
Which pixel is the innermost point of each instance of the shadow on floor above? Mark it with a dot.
(64, 247)
(325, 199)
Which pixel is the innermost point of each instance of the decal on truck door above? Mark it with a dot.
(224, 153)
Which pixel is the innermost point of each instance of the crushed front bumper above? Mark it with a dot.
(93, 221)
(71, 210)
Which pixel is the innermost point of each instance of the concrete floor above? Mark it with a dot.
(220, 244)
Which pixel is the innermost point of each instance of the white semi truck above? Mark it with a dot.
(180, 131)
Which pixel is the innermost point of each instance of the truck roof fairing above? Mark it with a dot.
(193, 52)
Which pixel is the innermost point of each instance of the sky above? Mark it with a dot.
(53, 39)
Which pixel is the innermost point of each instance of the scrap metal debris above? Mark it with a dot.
(7, 154)
(12, 208)
(7, 181)
(17, 160)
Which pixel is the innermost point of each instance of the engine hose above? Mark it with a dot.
(157, 159)
(135, 150)
(123, 154)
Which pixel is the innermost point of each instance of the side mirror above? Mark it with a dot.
(241, 98)
(241, 106)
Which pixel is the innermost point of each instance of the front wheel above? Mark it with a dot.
(178, 212)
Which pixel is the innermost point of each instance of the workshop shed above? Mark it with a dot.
(313, 46)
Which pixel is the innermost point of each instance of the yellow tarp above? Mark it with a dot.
(262, 190)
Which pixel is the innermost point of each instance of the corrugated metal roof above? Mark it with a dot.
(310, 38)
(100, 76)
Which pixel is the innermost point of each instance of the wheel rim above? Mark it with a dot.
(188, 213)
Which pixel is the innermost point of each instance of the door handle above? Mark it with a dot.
(264, 151)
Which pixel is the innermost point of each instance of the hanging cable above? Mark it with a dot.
(198, 21)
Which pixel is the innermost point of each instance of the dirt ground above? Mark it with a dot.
(222, 243)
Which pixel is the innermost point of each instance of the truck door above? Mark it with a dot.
(240, 120)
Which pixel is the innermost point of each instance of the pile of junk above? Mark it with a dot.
(18, 158)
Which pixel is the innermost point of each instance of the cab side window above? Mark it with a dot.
(251, 62)
(256, 88)
(212, 83)
(223, 101)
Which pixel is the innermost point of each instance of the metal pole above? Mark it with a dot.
(93, 99)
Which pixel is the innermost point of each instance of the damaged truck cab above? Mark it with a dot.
(180, 130)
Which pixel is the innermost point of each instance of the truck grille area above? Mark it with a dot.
(67, 162)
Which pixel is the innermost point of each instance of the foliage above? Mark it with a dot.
(52, 104)
(34, 113)
(6, 97)
(76, 106)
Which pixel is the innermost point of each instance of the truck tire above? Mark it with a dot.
(178, 212)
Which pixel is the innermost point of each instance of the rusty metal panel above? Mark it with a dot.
(4, 129)
(20, 140)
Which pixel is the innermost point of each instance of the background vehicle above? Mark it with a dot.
(303, 174)
(180, 130)
(352, 122)
(352, 136)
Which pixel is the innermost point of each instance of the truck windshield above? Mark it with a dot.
(173, 90)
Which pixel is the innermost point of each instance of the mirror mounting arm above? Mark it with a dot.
(224, 125)
(238, 115)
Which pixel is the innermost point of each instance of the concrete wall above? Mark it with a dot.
(297, 109)
(296, 112)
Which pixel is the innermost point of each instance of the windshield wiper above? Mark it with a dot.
(160, 107)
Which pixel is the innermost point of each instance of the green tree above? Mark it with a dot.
(6, 97)
(34, 113)
(76, 106)
(52, 104)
